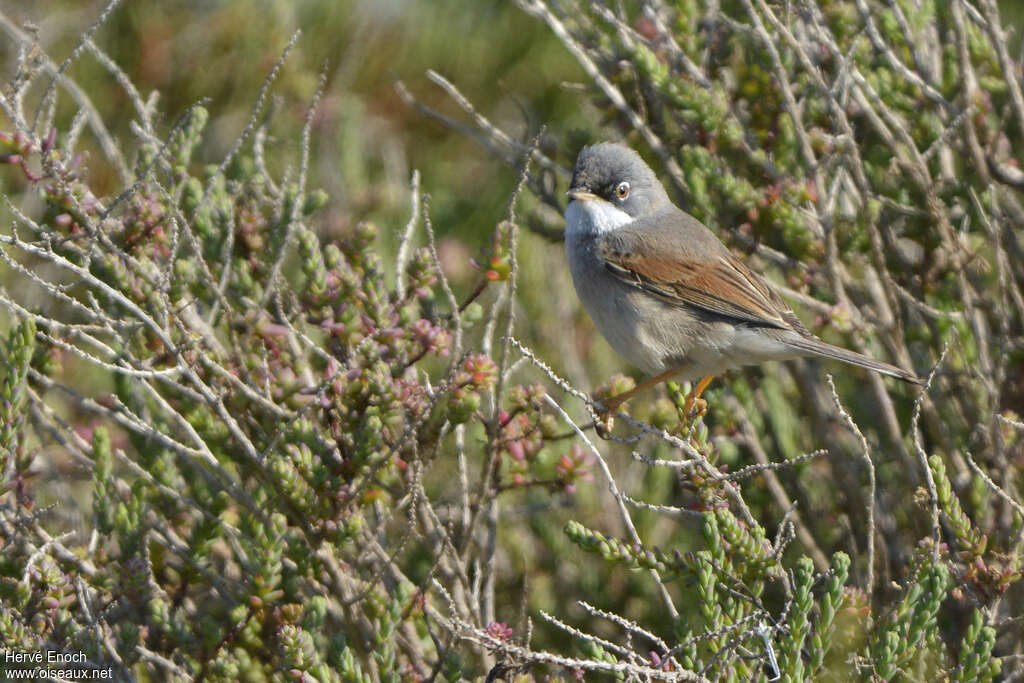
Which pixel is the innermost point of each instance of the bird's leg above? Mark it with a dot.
(610, 405)
(694, 396)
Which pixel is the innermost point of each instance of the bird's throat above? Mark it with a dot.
(593, 217)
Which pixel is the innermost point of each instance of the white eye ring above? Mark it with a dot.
(622, 191)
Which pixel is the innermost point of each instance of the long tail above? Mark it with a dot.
(816, 347)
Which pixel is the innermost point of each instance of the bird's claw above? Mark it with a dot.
(604, 420)
(695, 406)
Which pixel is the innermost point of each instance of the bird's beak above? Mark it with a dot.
(581, 194)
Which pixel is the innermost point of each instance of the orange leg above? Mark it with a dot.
(702, 385)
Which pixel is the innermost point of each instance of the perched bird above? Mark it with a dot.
(664, 291)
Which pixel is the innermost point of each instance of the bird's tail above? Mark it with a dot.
(816, 347)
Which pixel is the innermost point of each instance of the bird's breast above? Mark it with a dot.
(640, 328)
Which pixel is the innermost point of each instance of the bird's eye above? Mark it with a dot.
(622, 191)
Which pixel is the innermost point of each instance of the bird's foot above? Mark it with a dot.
(604, 417)
(695, 407)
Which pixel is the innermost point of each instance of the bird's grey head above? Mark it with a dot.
(615, 173)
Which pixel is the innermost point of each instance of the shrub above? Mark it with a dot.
(308, 457)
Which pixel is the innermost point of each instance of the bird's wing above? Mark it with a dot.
(691, 267)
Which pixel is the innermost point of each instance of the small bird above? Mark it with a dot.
(664, 291)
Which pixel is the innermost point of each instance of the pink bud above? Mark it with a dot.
(48, 142)
(516, 450)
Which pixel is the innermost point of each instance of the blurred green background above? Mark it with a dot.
(366, 140)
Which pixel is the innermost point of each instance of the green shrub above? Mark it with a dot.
(239, 444)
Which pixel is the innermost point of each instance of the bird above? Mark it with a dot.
(665, 292)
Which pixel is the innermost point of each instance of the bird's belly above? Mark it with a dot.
(622, 322)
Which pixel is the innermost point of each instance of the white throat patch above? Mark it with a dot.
(594, 217)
